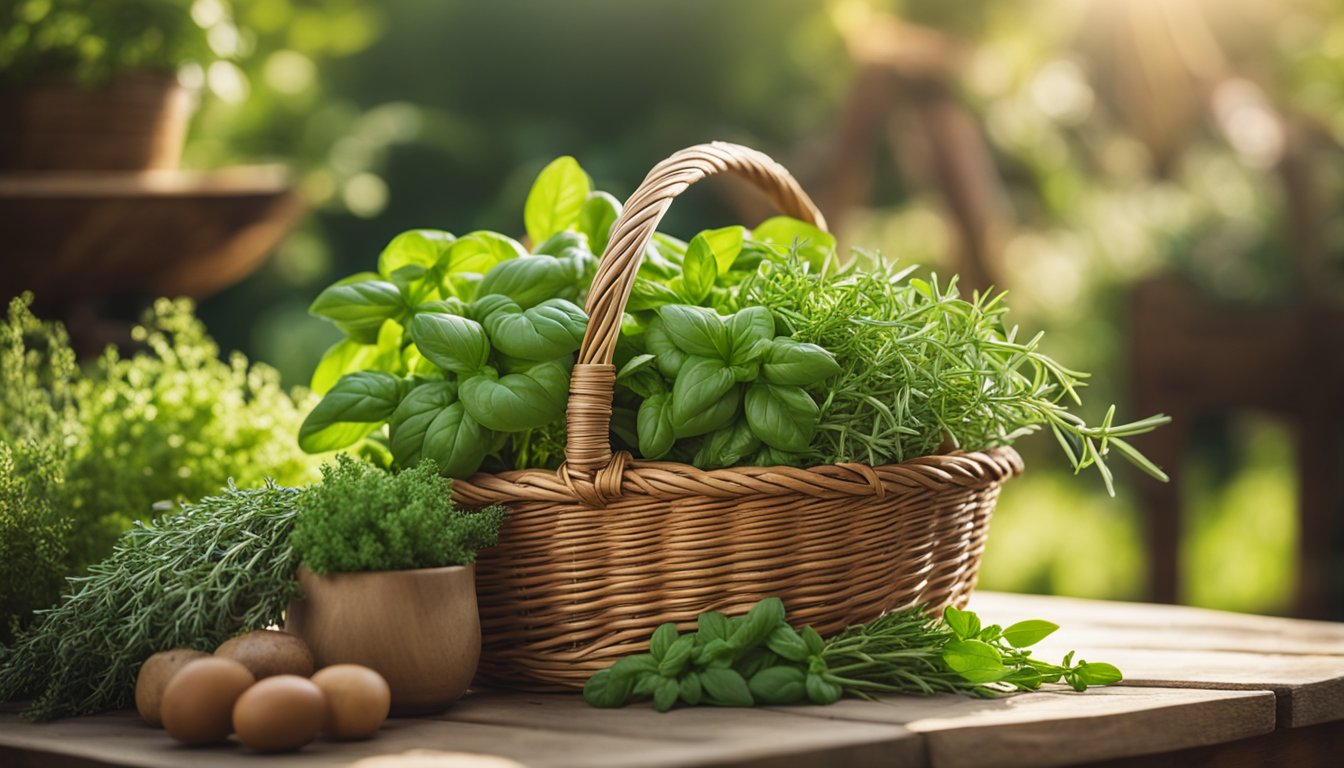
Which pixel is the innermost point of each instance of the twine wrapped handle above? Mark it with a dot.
(592, 384)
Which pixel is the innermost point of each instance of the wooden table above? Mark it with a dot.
(1202, 688)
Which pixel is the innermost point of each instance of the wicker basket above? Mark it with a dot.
(596, 555)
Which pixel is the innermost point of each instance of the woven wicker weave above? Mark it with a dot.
(597, 554)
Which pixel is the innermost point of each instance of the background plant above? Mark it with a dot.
(90, 452)
(94, 41)
(362, 518)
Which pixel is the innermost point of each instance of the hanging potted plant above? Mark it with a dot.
(388, 579)
(92, 86)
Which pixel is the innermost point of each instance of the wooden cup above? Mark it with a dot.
(419, 629)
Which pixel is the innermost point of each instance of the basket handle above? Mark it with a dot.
(593, 381)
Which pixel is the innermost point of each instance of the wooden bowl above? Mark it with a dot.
(73, 236)
(419, 629)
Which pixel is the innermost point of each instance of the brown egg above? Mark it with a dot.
(358, 700)
(267, 652)
(153, 678)
(198, 702)
(279, 714)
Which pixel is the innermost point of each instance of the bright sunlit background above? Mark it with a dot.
(1062, 149)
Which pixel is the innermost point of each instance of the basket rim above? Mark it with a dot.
(628, 477)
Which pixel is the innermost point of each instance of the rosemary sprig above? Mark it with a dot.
(921, 365)
(192, 578)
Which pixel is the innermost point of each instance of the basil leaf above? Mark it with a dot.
(676, 657)
(696, 331)
(417, 247)
(526, 400)
(596, 218)
(1027, 633)
(691, 690)
(701, 383)
(726, 244)
(412, 418)
(786, 642)
(668, 356)
(815, 645)
(608, 691)
(556, 198)
(452, 342)
(698, 270)
(663, 638)
(561, 243)
(554, 328)
(975, 661)
(1098, 673)
(726, 688)
(716, 653)
(727, 447)
(349, 356)
(717, 416)
(666, 694)
(479, 252)
(455, 441)
(634, 666)
(354, 407)
(822, 691)
(964, 624)
(754, 660)
(635, 365)
(751, 331)
(646, 294)
(712, 625)
(654, 427)
(532, 280)
(813, 244)
(797, 363)
(781, 684)
(647, 683)
(359, 308)
(784, 418)
(759, 622)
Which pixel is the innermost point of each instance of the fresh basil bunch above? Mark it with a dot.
(729, 379)
(759, 658)
(459, 349)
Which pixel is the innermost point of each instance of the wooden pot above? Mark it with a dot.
(418, 628)
(136, 122)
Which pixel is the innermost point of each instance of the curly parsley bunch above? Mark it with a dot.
(362, 518)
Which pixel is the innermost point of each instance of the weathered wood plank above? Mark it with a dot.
(1302, 662)
(537, 731)
(744, 736)
(1062, 727)
(1142, 625)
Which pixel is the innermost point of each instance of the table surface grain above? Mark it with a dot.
(1194, 679)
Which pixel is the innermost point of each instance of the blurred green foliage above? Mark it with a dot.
(440, 114)
(1126, 143)
(94, 40)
